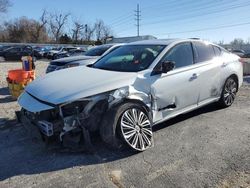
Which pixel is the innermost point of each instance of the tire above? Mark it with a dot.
(228, 93)
(118, 129)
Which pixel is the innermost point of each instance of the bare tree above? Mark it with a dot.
(57, 22)
(102, 31)
(40, 28)
(77, 30)
(99, 25)
(107, 32)
(88, 32)
(23, 30)
(4, 5)
(237, 43)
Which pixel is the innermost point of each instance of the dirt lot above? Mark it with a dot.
(209, 147)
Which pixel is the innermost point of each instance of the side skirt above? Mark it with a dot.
(187, 109)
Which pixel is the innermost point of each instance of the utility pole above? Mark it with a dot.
(137, 18)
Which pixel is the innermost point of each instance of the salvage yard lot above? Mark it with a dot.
(206, 148)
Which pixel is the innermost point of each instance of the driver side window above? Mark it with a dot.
(181, 54)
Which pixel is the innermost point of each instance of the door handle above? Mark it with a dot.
(193, 77)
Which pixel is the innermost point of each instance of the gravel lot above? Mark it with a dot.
(209, 147)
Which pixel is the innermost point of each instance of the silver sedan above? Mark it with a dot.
(131, 89)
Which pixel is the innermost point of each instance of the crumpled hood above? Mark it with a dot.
(66, 60)
(77, 82)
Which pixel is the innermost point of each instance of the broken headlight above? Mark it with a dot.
(73, 108)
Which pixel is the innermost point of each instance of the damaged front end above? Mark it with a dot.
(70, 123)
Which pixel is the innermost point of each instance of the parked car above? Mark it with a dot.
(246, 55)
(52, 53)
(73, 52)
(4, 47)
(90, 57)
(129, 90)
(16, 52)
(240, 53)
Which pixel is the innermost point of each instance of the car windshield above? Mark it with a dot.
(130, 58)
(98, 51)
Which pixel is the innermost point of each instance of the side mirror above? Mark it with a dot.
(167, 66)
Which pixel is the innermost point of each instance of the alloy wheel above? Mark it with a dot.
(136, 129)
(230, 91)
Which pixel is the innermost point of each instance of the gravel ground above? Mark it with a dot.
(209, 147)
(8, 105)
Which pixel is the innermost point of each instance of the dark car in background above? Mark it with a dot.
(16, 53)
(4, 47)
(88, 58)
(239, 52)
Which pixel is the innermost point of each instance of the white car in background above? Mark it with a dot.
(129, 90)
(90, 57)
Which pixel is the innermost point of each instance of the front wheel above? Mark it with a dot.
(128, 124)
(228, 93)
(136, 128)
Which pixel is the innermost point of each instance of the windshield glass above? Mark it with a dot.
(130, 58)
(97, 51)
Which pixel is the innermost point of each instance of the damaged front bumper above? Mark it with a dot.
(72, 122)
(69, 123)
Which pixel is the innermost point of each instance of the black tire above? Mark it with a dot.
(110, 130)
(228, 93)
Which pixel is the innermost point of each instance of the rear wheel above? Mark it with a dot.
(229, 92)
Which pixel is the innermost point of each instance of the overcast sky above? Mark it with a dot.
(214, 20)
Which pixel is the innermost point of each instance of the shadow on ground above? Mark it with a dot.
(4, 91)
(247, 79)
(6, 95)
(22, 155)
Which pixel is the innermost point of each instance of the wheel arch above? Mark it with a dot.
(136, 101)
(235, 77)
(108, 129)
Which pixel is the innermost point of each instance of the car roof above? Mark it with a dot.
(162, 41)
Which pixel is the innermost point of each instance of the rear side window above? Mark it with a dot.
(203, 52)
(217, 51)
(181, 54)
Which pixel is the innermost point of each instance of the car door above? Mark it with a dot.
(208, 69)
(178, 89)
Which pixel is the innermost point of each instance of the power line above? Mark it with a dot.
(122, 20)
(208, 28)
(128, 19)
(197, 5)
(137, 18)
(117, 19)
(188, 16)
